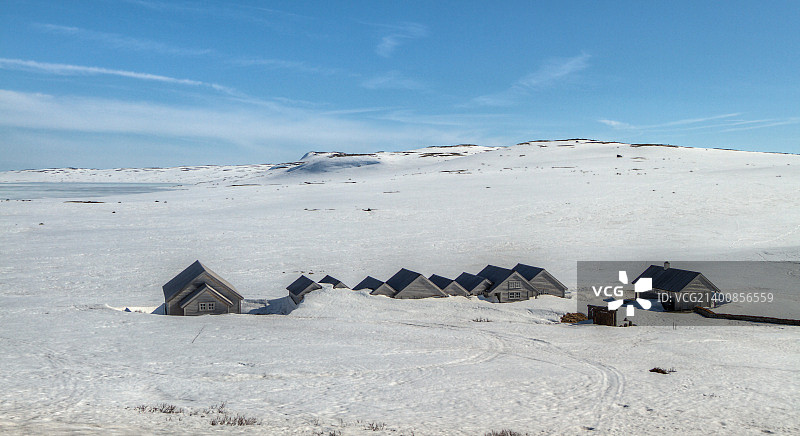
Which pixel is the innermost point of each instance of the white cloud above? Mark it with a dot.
(246, 126)
(616, 124)
(549, 74)
(399, 34)
(554, 70)
(392, 80)
(717, 123)
(118, 41)
(80, 70)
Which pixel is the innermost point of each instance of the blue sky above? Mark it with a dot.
(130, 83)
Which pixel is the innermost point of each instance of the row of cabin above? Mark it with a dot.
(502, 285)
(197, 290)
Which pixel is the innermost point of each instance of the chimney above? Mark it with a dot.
(666, 265)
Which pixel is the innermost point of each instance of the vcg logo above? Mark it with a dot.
(644, 284)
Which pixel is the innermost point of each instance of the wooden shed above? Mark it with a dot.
(602, 315)
(507, 285)
(448, 286)
(337, 284)
(300, 287)
(409, 284)
(679, 289)
(199, 291)
(475, 285)
(541, 280)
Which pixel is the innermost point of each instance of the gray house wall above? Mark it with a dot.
(699, 289)
(455, 290)
(173, 306)
(421, 287)
(547, 284)
(384, 289)
(501, 290)
(193, 308)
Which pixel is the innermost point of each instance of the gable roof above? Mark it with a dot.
(301, 284)
(527, 271)
(402, 278)
(201, 290)
(441, 282)
(449, 287)
(335, 282)
(670, 279)
(495, 274)
(369, 282)
(191, 272)
(471, 281)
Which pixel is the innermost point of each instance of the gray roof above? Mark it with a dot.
(670, 279)
(401, 279)
(332, 281)
(495, 274)
(301, 284)
(369, 282)
(469, 281)
(527, 271)
(441, 282)
(186, 276)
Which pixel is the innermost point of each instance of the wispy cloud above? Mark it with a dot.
(80, 70)
(249, 127)
(555, 70)
(718, 123)
(552, 72)
(286, 64)
(118, 41)
(392, 80)
(398, 34)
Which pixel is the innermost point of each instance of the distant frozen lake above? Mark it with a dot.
(38, 190)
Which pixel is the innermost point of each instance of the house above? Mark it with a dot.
(199, 291)
(679, 289)
(300, 287)
(448, 286)
(507, 285)
(541, 280)
(475, 285)
(332, 281)
(602, 315)
(409, 284)
(370, 283)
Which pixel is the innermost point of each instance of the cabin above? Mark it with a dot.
(449, 286)
(602, 315)
(199, 291)
(300, 287)
(475, 285)
(407, 284)
(541, 280)
(507, 285)
(679, 289)
(369, 283)
(337, 284)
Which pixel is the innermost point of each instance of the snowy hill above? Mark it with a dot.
(344, 360)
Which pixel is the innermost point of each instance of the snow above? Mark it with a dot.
(75, 361)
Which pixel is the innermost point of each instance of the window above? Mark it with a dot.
(206, 307)
(514, 295)
(514, 284)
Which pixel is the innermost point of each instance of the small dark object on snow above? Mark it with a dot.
(662, 370)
